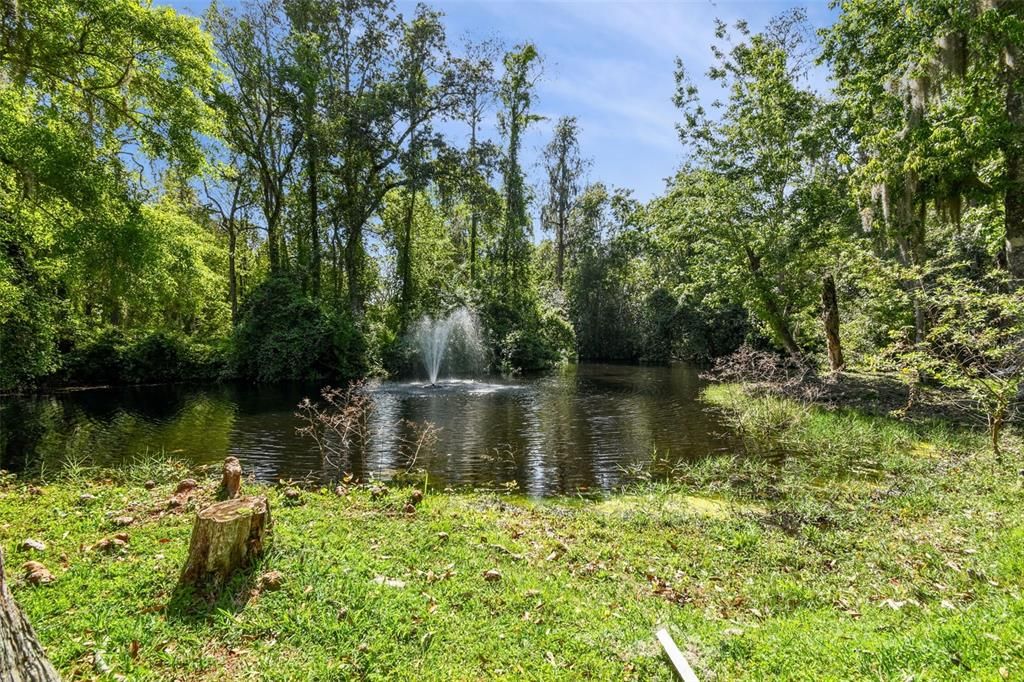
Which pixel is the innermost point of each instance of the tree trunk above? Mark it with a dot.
(273, 250)
(772, 312)
(314, 211)
(1013, 151)
(560, 259)
(353, 267)
(406, 264)
(22, 658)
(473, 227)
(232, 273)
(474, 223)
(227, 536)
(779, 326)
(335, 263)
(831, 318)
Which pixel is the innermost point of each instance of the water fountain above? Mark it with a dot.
(432, 337)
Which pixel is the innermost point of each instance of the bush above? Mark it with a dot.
(163, 356)
(96, 360)
(283, 334)
(975, 346)
(658, 326)
(113, 357)
(704, 332)
(527, 337)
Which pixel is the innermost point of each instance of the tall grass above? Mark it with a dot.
(835, 443)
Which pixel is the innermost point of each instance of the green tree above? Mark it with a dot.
(759, 199)
(565, 167)
(934, 96)
(975, 345)
(89, 93)
(516, 93)
(252, 99)
(478, 92)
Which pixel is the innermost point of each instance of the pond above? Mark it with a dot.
(585, 428)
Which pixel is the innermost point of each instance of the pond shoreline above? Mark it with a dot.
(588, 426)
(862, 553)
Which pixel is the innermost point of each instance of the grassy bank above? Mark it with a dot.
(872, 549)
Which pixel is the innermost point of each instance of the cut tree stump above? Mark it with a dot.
(226, 537)
(231, 483)
(21, 655)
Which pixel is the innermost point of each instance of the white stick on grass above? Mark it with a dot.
(676, 656)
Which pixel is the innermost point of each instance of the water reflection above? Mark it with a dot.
(588, 427)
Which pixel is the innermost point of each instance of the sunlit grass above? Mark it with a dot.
(832, 546)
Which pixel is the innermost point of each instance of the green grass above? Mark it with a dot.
(872, 549)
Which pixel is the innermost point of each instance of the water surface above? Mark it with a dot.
(589, 427)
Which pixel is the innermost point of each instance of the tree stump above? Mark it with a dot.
(226, 537)
(231, 483)
(21, 655)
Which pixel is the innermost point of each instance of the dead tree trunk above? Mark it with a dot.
(21, 655)
(227, 536)
(830, 316)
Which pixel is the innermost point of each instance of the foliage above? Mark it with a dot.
(517, 96)
(283, 334)
(111, 357)
(762, 194)
(526, 337)
(328, 141)
(975, 345)
(564, 168)
(78, 113)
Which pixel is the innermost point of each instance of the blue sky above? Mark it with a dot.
(610, 63)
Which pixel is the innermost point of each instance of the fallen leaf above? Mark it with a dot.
(271, 581)
(31, 543)
(36, 573)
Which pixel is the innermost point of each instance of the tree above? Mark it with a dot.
(933, 94)
(1006, 21)
(423, 58)
(975, 345)
(760, 192)
(376, 103)
(230, 209)
(89, 93)
(565, 168)
(516, 93)
(478, 92)
(253, 102)
(307, 76)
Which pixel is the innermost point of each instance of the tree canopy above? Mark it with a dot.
(281, 188)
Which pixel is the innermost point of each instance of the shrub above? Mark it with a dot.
(527, 337)
(283, 334)
(163, 356)
(975, 345)
(113, 357)
(95, 360)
